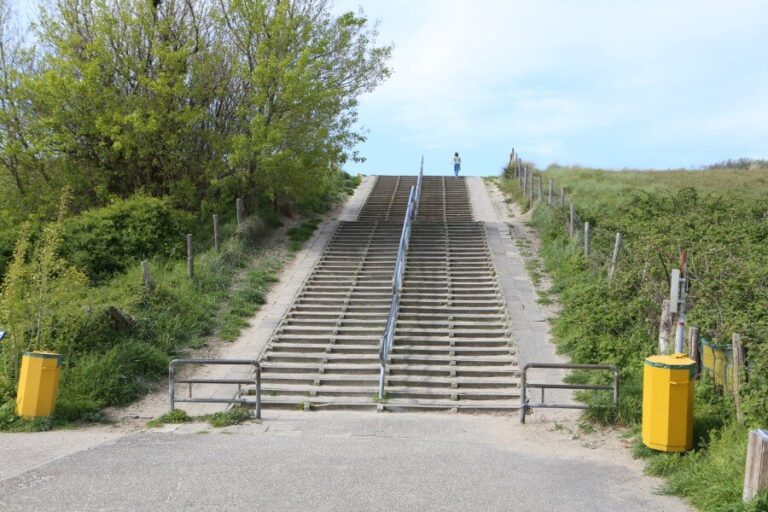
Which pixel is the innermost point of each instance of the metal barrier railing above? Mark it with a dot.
(525, 406)
(397, 278)
(255, 380)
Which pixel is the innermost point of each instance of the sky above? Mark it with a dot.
(603, 83)
(612, 84)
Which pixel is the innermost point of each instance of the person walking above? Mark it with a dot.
(456, 164)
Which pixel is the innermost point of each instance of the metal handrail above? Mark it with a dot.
(525, 406)
(255, 380)
(398, 275)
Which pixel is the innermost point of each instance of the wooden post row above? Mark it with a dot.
(216, 232)
(586, 239)
(693, 347)
(615, 256)
(240, 210)
(756, 473)
(549, 199)
(148, 283)
(738, 366)
(572, 221)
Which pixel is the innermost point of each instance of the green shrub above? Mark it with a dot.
(252, 230)
(233, 416)
(116, 377)
(104, 241)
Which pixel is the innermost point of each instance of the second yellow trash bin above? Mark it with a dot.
(38, 384)
(668, 402)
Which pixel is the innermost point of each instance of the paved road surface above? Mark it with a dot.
(337, 461)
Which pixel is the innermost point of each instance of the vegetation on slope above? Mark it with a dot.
(721, 218)
(124, 126)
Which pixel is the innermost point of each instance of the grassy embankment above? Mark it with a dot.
(113, 359)
(721, 218)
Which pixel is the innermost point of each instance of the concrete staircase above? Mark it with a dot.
(452, 346)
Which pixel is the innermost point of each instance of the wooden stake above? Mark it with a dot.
(562, 196)
(190, 258)
(240, 210)
(615, 257)
(756, 474)
(665, 327)
(541, 195)
(216, 233)
(525, 181)
(148, 283)
(693, 347)
(549, 198)
(586, 239)
(530, 189)
(572, 222)
(738, 366)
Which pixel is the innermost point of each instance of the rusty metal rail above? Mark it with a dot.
(525, 406)
(236, 399)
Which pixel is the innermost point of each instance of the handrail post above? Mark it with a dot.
(523, 398)
(172, 384)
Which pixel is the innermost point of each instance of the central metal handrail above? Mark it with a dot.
(397, 277)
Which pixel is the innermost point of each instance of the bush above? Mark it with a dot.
(116, 377)
(104, 241)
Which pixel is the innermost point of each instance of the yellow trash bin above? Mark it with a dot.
(668, 402)
(38, 384)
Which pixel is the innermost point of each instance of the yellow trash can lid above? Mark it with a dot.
(37, 354)
(673, 362)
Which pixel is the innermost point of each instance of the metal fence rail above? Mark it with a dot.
(255, 380)
(525, 406)
(397, 278)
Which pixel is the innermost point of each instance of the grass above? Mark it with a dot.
(302, 233)
(234, 416)
(719, 217)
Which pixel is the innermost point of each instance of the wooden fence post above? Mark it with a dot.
(693, 347)
(756, 474)
(240, 210)
(572, 221)
(562, 196)
(665, 327)
(216, 233)
(586, 239)
(190, 258)
(530, 188)
(148, 283)
(541, 195)
(738, 366)
(615, 256)
(549, 199)
(525, 181)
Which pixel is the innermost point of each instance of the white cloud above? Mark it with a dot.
(547, 72)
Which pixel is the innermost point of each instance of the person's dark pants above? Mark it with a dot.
(456, 169)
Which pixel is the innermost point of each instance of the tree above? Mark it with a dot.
(301, 71)
(19, 157)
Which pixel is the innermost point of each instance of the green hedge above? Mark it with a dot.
(104, 241)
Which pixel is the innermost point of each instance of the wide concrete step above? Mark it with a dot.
(393, 391)
(395, 369)
(344, 379)
(390, 404)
